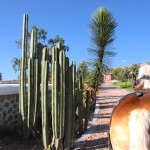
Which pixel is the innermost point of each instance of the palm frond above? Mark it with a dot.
(102, 27)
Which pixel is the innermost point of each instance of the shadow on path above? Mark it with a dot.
(96, 137)
(98, 128)
(94, 144)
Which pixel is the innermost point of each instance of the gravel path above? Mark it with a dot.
(96, 138)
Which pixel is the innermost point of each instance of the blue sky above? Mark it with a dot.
(70, 19)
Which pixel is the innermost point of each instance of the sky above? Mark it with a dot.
(70, 19)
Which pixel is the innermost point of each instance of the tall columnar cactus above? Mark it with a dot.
(73, 66)
(62, 74)
(32, 85)
(79, 100)
(80, 106)
(30, 96)
(69, 109)
(28, 106)
(70, 104)
(80, 81)
(23, 92)
(58, 96)
(36, 91)
(44, 98)
(87, 110)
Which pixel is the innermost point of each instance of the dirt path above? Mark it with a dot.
(96, 138)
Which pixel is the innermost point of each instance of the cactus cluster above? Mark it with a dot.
(67, 89)
(63, 98)
(29, 104)
(58, 95)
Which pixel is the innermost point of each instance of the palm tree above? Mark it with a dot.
(102, 27)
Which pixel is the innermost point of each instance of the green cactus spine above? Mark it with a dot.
(23, 92)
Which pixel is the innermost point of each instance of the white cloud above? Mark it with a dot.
(123, 60)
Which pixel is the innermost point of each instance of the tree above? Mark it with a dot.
(42, 42)
(41, 36)
(116, 72)
(134, 70)
(58, 39)
(84, 70)
(102, 27)
(126, 73)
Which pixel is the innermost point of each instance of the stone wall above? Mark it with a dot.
(9, 110)
(9, 104)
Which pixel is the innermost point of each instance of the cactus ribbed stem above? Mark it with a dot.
(87, 110)
(80, 103)
(31, 83)
(36, 91)
(54, 54)
(62, 92)
(33, 44)
(30, 95)
(69, 110)
(55, 96)
(23, 97)
(79, 99)
(56, 103)
(44, 102)
(73, 66)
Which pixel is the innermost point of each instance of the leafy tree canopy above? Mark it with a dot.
(83, 69)
(42, 42)
(126, 73)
